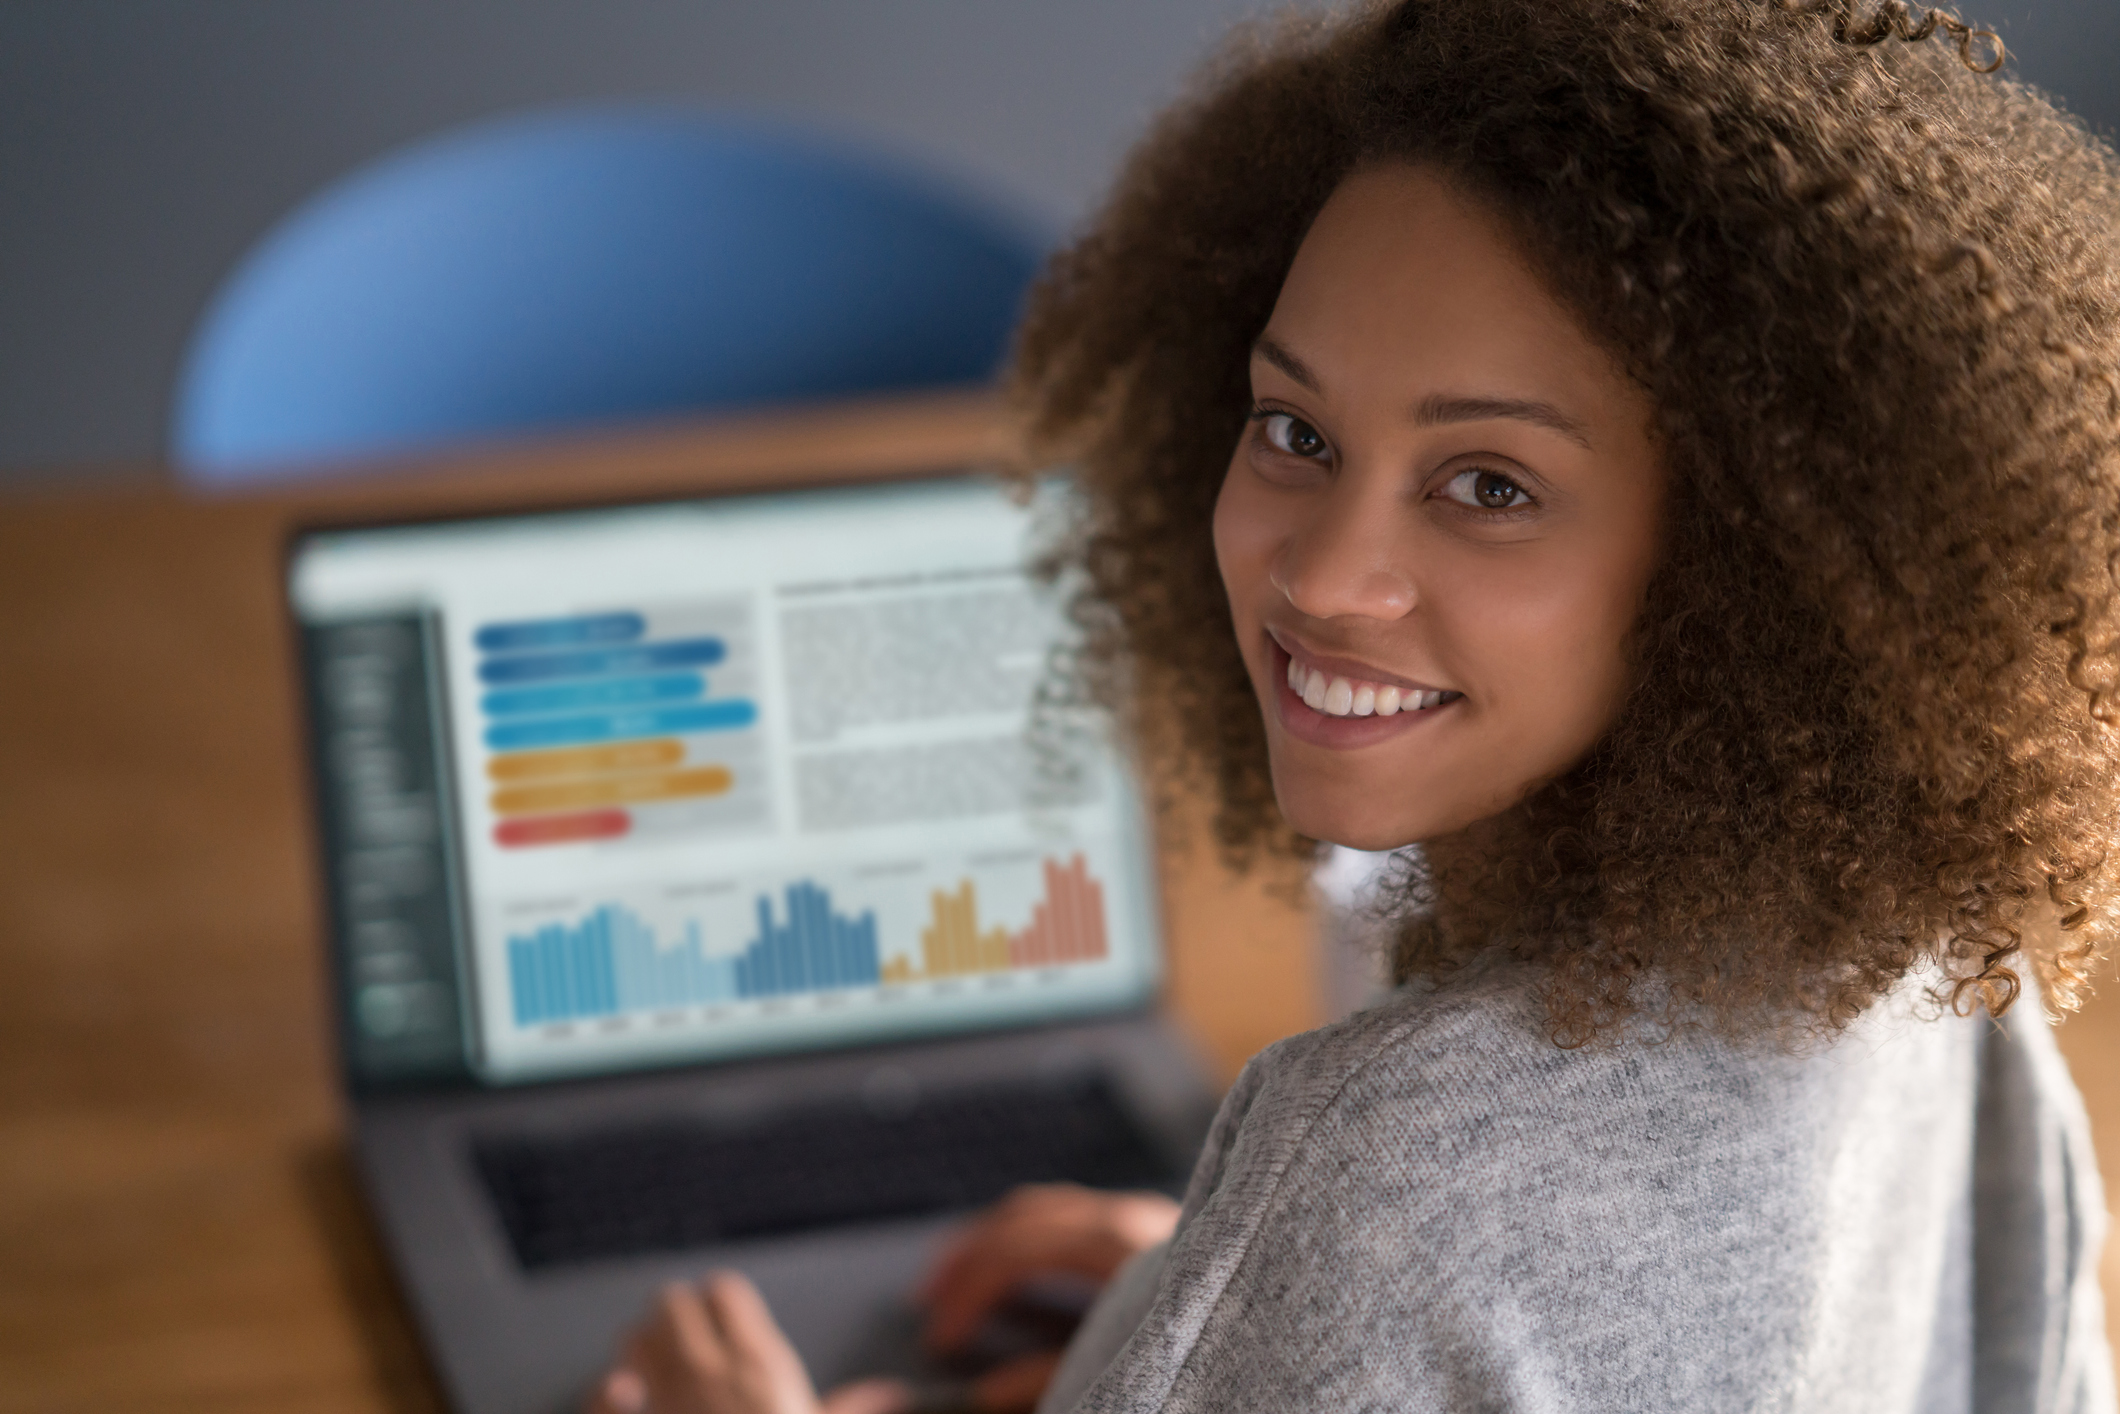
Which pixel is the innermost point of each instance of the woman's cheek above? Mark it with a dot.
(1234, 523)
(1549, 646)
(1244, 538)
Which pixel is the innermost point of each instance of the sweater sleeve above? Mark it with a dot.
(1119, 1310)
(1123, 1305)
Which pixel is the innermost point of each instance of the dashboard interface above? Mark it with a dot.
(651, 785)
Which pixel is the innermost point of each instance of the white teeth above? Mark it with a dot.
(1342, 697)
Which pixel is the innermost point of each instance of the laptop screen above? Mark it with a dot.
(660, 784)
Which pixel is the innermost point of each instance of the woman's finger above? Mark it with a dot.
(984, 1281)
(738, 1311)
(763, 1364)
(619, 1392)
(1039, 1231)
(696, 1334)
(711, 1349)
(960, 1244)
(869, 1397)
(746, 1325)
(677, 1355)
(1029, 1202)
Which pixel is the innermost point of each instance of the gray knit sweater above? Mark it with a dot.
(1431, 1207)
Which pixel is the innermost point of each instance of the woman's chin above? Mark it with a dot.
(1349, 825)
(1348, 813)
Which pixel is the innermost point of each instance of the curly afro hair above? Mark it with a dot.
(1874, 295)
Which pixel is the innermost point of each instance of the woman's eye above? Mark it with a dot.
(1292, 435)
(1486, 490)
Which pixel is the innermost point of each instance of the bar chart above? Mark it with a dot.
(816, 950)
(609, 963)
(599, 725)
(612, 962)
(1067, 925)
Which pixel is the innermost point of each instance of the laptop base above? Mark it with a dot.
(507, 1341)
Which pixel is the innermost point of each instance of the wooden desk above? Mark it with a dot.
(178, 1226)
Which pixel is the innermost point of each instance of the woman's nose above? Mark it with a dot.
(1348, 558)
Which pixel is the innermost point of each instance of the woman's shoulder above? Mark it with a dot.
(1445, 1091)
(1412, 1043)
(1440, 1177)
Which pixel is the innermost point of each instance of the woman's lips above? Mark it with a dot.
(1359, 720)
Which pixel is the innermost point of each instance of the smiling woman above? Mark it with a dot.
(1727, 322)
(1661, 459)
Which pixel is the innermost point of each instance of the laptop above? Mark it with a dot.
(718, 883)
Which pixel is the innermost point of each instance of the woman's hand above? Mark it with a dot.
(1036, 1231)
(715, 1349)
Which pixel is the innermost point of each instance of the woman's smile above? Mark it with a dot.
(1338, 703)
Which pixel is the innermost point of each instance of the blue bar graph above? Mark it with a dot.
(621, 627)
(725, 715)
(814, 951)
(597, 662)
(600, 692)
(610, 962)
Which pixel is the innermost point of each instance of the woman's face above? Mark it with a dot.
(1439, 524)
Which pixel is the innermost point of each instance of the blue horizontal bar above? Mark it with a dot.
(726, 715)
(606, 692)
(560, 633)
(645, 658)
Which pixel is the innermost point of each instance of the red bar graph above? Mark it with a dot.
(562, 829)
(1068, 924)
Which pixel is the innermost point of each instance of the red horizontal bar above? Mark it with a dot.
(562, 829)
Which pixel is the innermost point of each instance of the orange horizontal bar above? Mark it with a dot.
(612, 790)
(586, 760)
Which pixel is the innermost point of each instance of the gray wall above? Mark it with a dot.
(144, 144)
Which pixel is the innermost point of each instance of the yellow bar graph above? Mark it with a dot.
(953, 945)
(612, 790)
(586, 760)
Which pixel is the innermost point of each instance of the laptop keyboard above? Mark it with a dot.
(677, 1183)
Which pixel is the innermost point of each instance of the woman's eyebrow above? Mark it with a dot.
(1270, 349)
(1438, 408)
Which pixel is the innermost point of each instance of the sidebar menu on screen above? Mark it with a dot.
(390, 869)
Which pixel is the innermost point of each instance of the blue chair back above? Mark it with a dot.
(587, 267)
